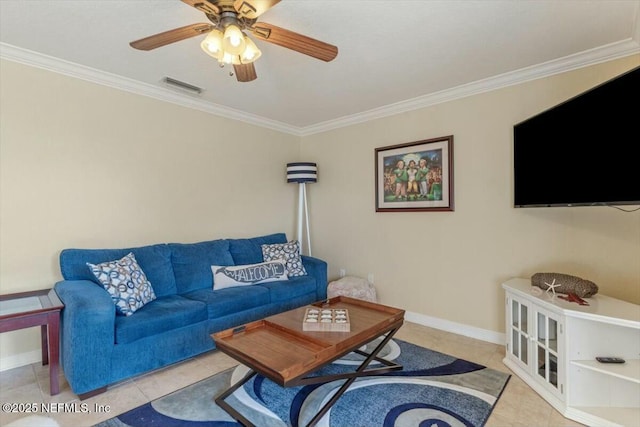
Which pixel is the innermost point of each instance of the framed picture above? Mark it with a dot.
(416, 176)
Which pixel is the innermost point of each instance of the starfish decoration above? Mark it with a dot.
(552, 286)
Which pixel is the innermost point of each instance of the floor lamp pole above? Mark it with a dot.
(301, 173)
(301, 202)
(306, 219)
(303, 216)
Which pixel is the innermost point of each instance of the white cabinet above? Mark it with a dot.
(552, 345)
(546, 342)
(534, 344)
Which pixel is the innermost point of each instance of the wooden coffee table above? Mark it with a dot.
(279, 349)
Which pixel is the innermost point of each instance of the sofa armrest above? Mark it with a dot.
(87, 334)
(318, 269)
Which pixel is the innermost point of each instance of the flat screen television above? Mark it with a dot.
(582, 152)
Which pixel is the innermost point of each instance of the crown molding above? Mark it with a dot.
(38, 60)
(583, 59)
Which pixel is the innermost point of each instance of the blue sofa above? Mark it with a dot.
(99, 347)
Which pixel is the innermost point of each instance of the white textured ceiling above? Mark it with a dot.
(391, 53)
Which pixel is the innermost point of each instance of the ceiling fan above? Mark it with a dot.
(226, 39)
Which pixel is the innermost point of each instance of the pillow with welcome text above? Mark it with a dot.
(249, 274)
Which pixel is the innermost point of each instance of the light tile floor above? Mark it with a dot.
(518, 406)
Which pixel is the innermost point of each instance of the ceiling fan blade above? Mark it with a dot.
(245, 72)
(171, 36)
(253, 8)
(204, 6)
(294, 41)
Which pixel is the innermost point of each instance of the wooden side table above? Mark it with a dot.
(36, 308)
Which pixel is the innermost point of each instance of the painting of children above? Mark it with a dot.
(415, 176)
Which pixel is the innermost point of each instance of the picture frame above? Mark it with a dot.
(415, 176)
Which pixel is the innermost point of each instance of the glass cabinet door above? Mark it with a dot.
(519, 331)
(546, 352)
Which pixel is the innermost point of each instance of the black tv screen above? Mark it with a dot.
(582, 152)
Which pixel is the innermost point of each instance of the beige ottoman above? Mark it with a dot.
(354, 287)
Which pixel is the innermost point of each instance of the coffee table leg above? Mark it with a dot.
(357, 374)
(220, 400)
(351, 377)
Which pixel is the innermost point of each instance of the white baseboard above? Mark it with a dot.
(456, 328)
(21, 359)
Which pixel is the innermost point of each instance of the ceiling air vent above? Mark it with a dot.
(182, 85)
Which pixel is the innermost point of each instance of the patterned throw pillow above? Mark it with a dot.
(289, 253)
(126, 283)
(249, 274)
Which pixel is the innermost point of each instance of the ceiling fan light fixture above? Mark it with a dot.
(212, 44)
(233, 40)
(251, 51)
(225, 40)
(228, 58)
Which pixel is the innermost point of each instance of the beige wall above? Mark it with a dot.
(83, 165)
(449, 265)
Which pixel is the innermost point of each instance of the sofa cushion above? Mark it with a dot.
(249, 274)
(231, 300)
(289, 289)
(289, 253)
(161, 315)
(192, 263)
(126, 283)
(249, 251)
(154, 260)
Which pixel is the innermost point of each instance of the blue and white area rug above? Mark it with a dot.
(433, 389)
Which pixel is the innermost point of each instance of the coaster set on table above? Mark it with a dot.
(326, 319)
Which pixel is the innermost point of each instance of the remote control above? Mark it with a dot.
(610, 359)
